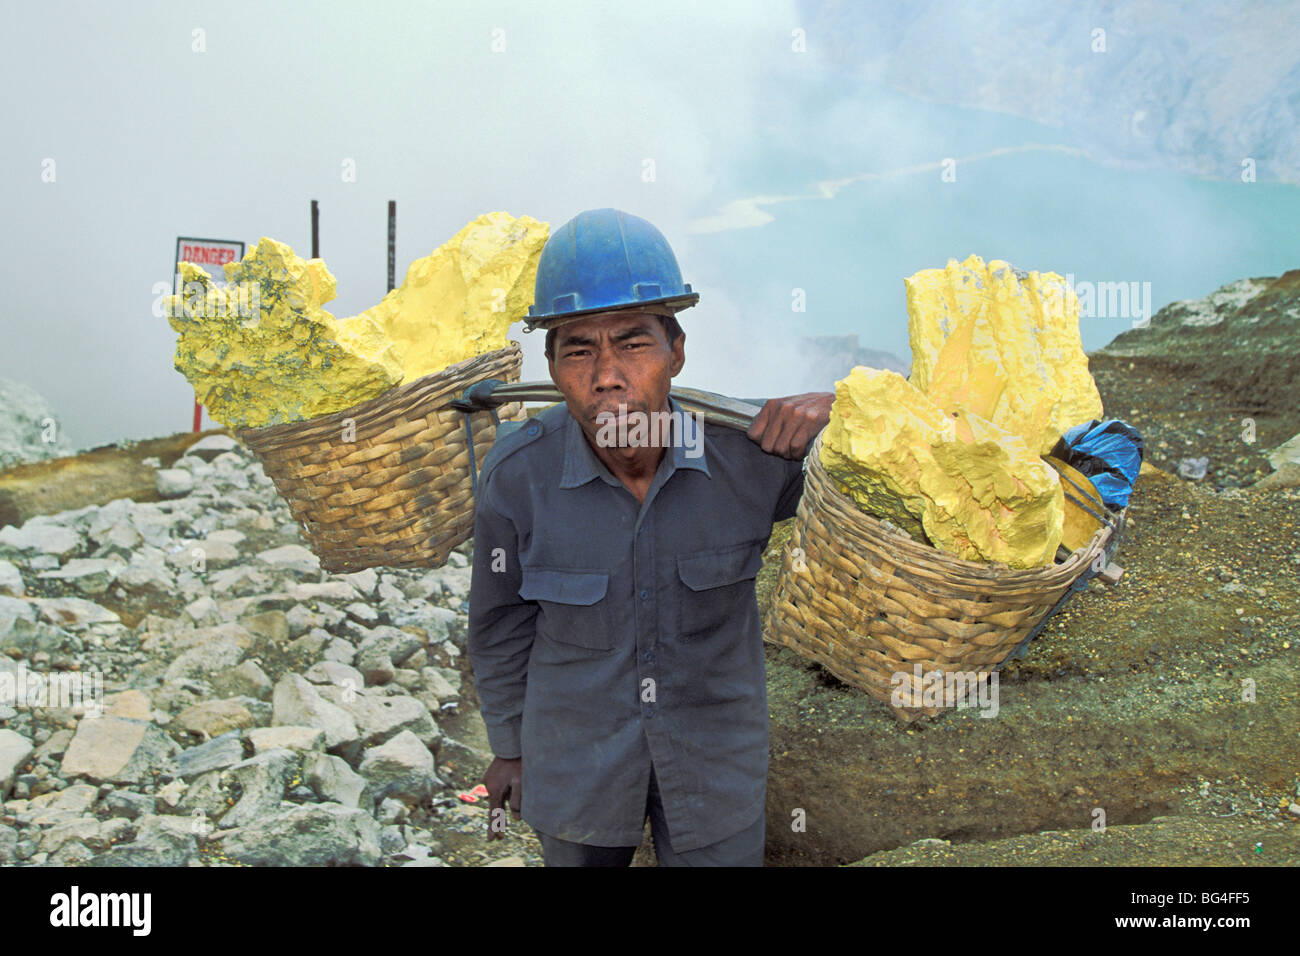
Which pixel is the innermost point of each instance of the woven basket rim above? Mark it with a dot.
(377, 410)
(918, 554)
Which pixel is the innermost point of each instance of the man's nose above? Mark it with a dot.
(608, 373)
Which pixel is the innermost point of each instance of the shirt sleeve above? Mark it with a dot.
(788, 503)
(501, 625)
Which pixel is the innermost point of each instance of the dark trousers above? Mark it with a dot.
(740, 849)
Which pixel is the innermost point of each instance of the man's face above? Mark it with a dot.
(611, 359)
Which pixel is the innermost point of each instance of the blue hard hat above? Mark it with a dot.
(604, 259)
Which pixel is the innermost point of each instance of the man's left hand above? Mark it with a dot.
(787, 426)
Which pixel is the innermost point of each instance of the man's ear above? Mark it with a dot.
(679, 354)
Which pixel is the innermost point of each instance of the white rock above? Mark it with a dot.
(145, 577)
(401, 768)
(308, 835)
(197, 467)
(434, 619)
(41, 538)
(211, 446)
(230, 461)
(364, 581)
(11, 580)
(438, 685)
(73, 612)
(449, 675)
(239, 578)
(362, 612)
(174, 482)
(298, 739)
(203, 611)
(88, 575)
(231, 536)
(199, 663)
(120, 538)
(291, 557)
(339, 650)
(13, 610)
(117, 750)
(334, 672)
(153, 524)
(1288, 451)
(296, 703)
(119, 509)
(380, 718)
(14, 751)
(307, 592)
(201, 555)
(456, 581)
(330, 778)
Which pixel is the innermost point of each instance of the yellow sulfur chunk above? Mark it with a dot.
(878, 442)
(460, 300)
(975, 490)
(263, 351)
(1004, 344)
(995, 499)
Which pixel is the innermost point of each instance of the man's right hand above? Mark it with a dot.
(503, 779)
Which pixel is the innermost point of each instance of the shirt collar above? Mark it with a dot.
(581, 464)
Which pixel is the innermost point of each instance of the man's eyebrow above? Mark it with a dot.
(580, 339)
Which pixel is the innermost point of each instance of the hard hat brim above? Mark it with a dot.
(675, 302)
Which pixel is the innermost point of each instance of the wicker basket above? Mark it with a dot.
(869, 603)
(388, 482)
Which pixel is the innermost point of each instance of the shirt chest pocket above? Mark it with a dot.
(574, 605)
(718, 584)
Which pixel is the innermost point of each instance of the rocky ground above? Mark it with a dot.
(255, 709)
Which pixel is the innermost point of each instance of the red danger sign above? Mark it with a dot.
(211, 254)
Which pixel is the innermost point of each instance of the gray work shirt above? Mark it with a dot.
(608, 634)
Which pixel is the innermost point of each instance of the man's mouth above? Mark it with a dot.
(618, 412)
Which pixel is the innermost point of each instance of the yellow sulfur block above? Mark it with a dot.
(264, 351)
(1004, 344)
(994, 498)
(460, 300)
(878, 444)
(971, 488)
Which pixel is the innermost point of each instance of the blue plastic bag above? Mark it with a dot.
(1109, 452)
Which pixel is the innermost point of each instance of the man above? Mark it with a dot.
(613, 623)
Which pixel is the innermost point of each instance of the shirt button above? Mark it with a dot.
(649, 655)
(645, 595)
(650, 710)
(532, 429)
